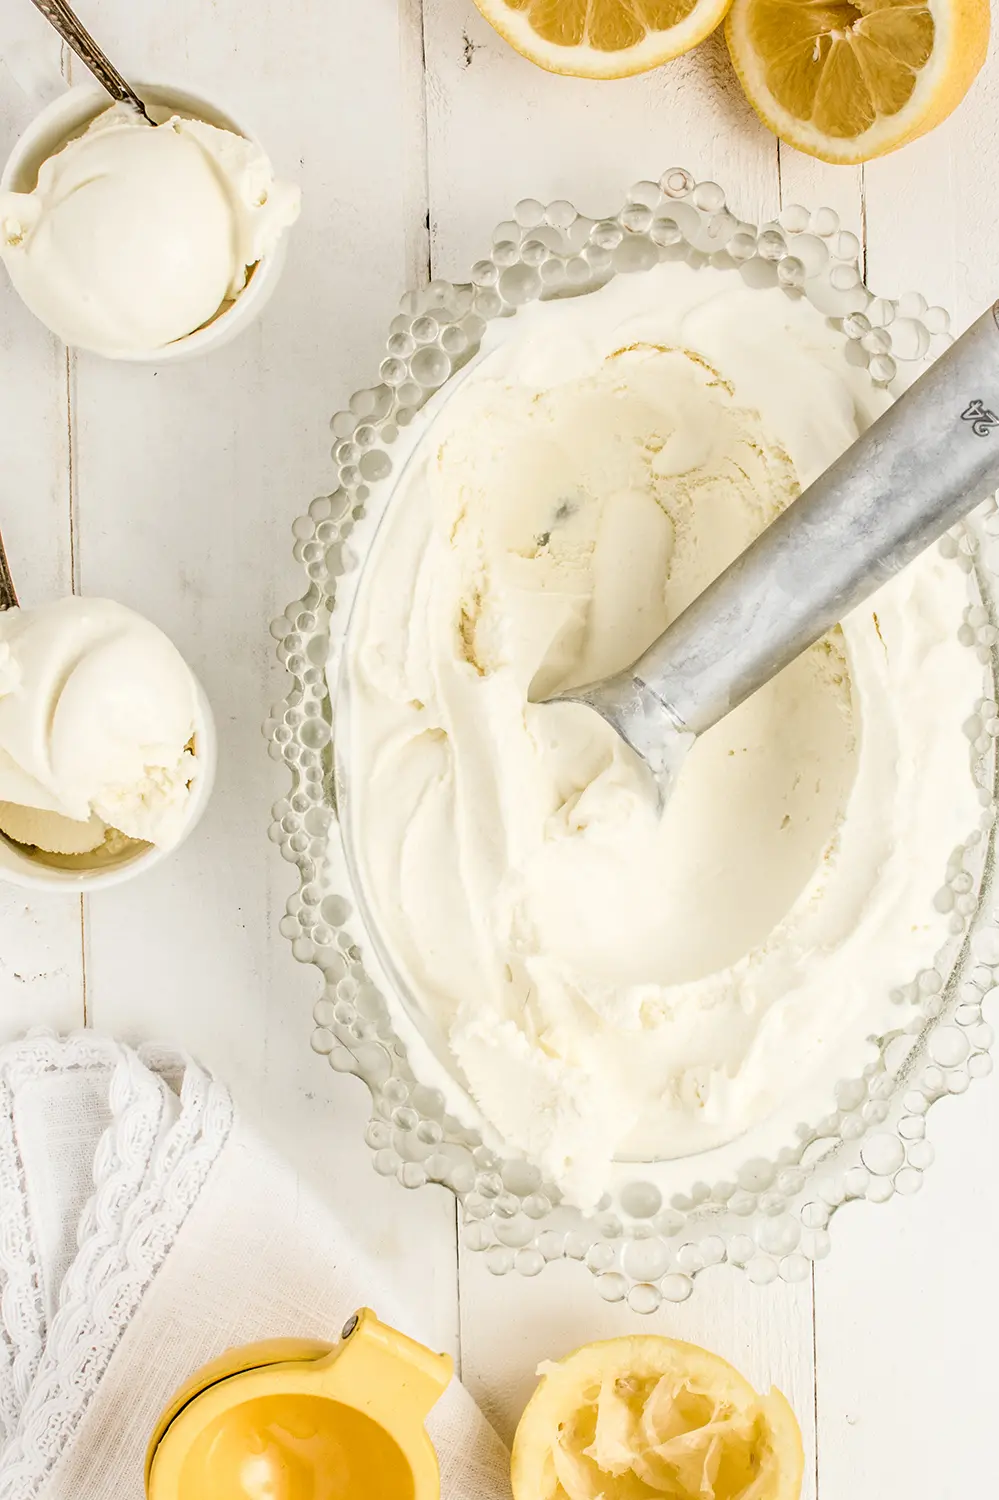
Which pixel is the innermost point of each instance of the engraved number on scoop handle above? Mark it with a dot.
(76, 36)
(982, 420)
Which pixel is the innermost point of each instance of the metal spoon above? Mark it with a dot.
(931, 458)
(8, 594)
(76, 36)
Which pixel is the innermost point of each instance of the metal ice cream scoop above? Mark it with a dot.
(920, 467)
(73, 32)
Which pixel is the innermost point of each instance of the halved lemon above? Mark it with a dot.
(644, 1417)
(603, 38)
(847, 80)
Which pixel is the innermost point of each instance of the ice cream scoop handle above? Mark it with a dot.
(916, 470)
(78, 38)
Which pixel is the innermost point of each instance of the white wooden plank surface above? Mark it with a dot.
(187, 480)
(500, 129)
(178, 500)
(906, 1303)
(509, 1326)
(907, 1321)
(41, 953)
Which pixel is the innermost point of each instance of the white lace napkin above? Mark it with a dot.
(143, 1229)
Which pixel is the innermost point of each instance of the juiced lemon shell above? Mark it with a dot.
(645, 1416)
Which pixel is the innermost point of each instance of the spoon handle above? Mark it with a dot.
(8, 594)
(76, 36)
(920, 467)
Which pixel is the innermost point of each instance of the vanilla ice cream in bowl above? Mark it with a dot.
(649, 1039)
(142, 242)
(107, 745)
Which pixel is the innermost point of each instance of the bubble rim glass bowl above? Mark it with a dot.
(773, 1217)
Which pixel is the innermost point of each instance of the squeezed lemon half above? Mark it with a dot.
(603, 38)
(645, 1417)
(847, 80)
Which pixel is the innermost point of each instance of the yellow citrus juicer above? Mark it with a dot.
(298, 1419)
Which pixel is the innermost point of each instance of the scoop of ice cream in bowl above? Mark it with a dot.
(107, 745)
(142, 242)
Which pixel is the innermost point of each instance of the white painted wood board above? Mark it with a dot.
(414, 130)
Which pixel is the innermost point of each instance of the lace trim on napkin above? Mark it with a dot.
(21, 1328)
(23, 1324)
(149, 1170)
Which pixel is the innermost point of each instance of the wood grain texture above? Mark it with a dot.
(187, 479)
(907, 1320)
(509, 1326)
(414, 130)
(500, 129)
(816, 184)
(905, 1309)
(41, 963)
(933, 209)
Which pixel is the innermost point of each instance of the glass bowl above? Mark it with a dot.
(659, 1223)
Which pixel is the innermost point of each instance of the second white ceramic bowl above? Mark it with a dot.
(89, 872)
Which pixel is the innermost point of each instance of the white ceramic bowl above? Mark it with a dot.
(68, 117)
(73, 874)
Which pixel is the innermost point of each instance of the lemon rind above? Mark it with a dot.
(564, 1384)
(585, 61)
(961, 45)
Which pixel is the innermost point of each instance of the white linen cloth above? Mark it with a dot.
(144, 1228)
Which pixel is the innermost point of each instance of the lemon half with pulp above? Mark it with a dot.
(603, 38)
(847, 80)
(645, 1417)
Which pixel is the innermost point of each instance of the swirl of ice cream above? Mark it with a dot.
(610, 981)
(98, 727)
(135, 236)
